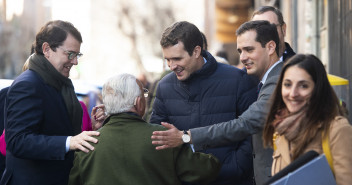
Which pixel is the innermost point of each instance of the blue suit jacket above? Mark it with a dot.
(37, 125)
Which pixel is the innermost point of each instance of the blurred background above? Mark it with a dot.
(123, 35)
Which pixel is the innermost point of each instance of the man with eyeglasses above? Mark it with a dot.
(43, 116)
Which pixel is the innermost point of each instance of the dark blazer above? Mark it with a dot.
(251, 122)
(215, 93)
(37, 125)
(288, 53)
(3, 93)
(125, 155)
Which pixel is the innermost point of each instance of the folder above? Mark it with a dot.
(315, 172)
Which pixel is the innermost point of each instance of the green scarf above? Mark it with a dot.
(52, 77)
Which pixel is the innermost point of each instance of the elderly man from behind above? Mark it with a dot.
(125, 155)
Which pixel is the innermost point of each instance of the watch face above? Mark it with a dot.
(186, 138)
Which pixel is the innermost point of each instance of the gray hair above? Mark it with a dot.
(119, 93)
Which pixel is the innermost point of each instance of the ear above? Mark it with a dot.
(139, 106)
(271, 46)
(197, 51)
(46, 49)
(283, 28)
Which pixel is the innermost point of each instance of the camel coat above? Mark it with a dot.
(340, 139)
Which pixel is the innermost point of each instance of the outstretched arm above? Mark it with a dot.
(167, 139)
(221, 134)
(249, 123)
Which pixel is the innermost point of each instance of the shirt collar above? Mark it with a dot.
(268, 71)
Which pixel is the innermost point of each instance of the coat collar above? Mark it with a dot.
(276, 70)
(121, 117)
(288, 52)
(207, 69)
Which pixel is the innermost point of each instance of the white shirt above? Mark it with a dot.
(268, 71)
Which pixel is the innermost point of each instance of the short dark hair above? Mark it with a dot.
(205, 42)
(55, 33)
(265, 32)
(323, 105)
(185, 32)
(264, 9)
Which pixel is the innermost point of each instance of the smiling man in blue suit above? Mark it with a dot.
(43, 116)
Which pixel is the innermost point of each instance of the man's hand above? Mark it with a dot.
(81, 141)
(167, 139)
(98, 116)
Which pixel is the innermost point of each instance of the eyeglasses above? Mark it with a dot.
(145, 92)
(71, 54)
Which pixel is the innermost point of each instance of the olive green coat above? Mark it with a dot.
(125, 155)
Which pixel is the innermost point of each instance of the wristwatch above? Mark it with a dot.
(185, 137)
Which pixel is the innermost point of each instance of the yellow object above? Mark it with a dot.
(327, 152)
(275, 135)
(335, 80)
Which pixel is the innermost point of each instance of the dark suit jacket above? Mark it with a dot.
(125, 155)
(36, 131)
(288, 52)
(3, 93)
(251, 122)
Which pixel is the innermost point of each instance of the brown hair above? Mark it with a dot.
(184, 32)
(265, 31)
(55, 33)
(323, 105)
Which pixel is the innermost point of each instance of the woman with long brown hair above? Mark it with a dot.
(304, 110)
